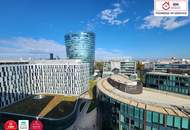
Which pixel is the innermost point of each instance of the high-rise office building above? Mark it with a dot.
(81, 46)
(51, 56)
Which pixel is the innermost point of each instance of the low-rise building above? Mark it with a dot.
(176, 83)
(125, 67)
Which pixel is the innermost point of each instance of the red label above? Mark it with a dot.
(36, 125)
(10, 125)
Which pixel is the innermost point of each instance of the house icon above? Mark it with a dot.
(166, 5)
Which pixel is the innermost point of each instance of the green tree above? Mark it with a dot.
(140, 69)
(92, 85)
(99, 66)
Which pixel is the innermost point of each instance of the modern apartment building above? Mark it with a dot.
(81, 46)
(20, 79)
(176, 83)
(124, 67)
(165, 67)
(124, 105)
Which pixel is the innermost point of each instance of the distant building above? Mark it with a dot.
(122, 105)
(81, 46)
(176, 83)
(123, 66)
(20, 79)
(51, 56)
(173, 64)
(149, 65)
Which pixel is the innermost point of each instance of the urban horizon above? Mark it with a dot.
(121, 29)
(94, 65)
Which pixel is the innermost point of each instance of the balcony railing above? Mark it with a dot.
(136, 89)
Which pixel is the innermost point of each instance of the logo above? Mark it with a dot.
(171, 8)
(10, 125)
(23, 124)
(36, 125)
(166, 6)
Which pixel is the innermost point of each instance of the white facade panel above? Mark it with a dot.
(66, 77)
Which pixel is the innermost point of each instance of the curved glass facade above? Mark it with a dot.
(81, 46)
(115, 115)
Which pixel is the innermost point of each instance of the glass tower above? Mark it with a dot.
(81, 46)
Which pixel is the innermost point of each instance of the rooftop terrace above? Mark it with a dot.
(50, 106)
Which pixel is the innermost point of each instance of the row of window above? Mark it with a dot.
(132, 118)
(152, 118)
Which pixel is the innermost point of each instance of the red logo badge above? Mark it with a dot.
(10, 125)
(36, 125)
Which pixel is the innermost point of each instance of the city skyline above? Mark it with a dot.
(37, 28)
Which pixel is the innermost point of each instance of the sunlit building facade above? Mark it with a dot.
(177, 83)
(124, 67)
(19, 80)
(81, 46)
(122, 105)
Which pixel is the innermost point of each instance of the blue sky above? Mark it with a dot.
(123, 28)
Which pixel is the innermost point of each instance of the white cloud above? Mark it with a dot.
(111, 16)
(167, 23)
(21, 47)
(102, 54)
(29, 47)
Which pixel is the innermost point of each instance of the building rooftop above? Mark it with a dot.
(52, 62)
(66, 61)
(79, 33)
(123, 79)
(149, 99)
(4, 62)
(162, 73)
(49, 106)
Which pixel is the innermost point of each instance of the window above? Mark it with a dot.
(185, 123)
(177, 122)
(155, 117)
(154, 128)
(121, 118)
(136, 124)
(123, 107)
(149, 116)
(169, 120)
(161, 119)
(141, 114)
(136, 112)
(130, 110)
(148, 127)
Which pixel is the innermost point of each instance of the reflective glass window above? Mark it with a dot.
(161, 118)
(148, 127)
(136, 112)
(155, 117)
(141, 114)
(177, 122)
(149, 116)
(169, 120)
(121, 118)
(185, 123)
